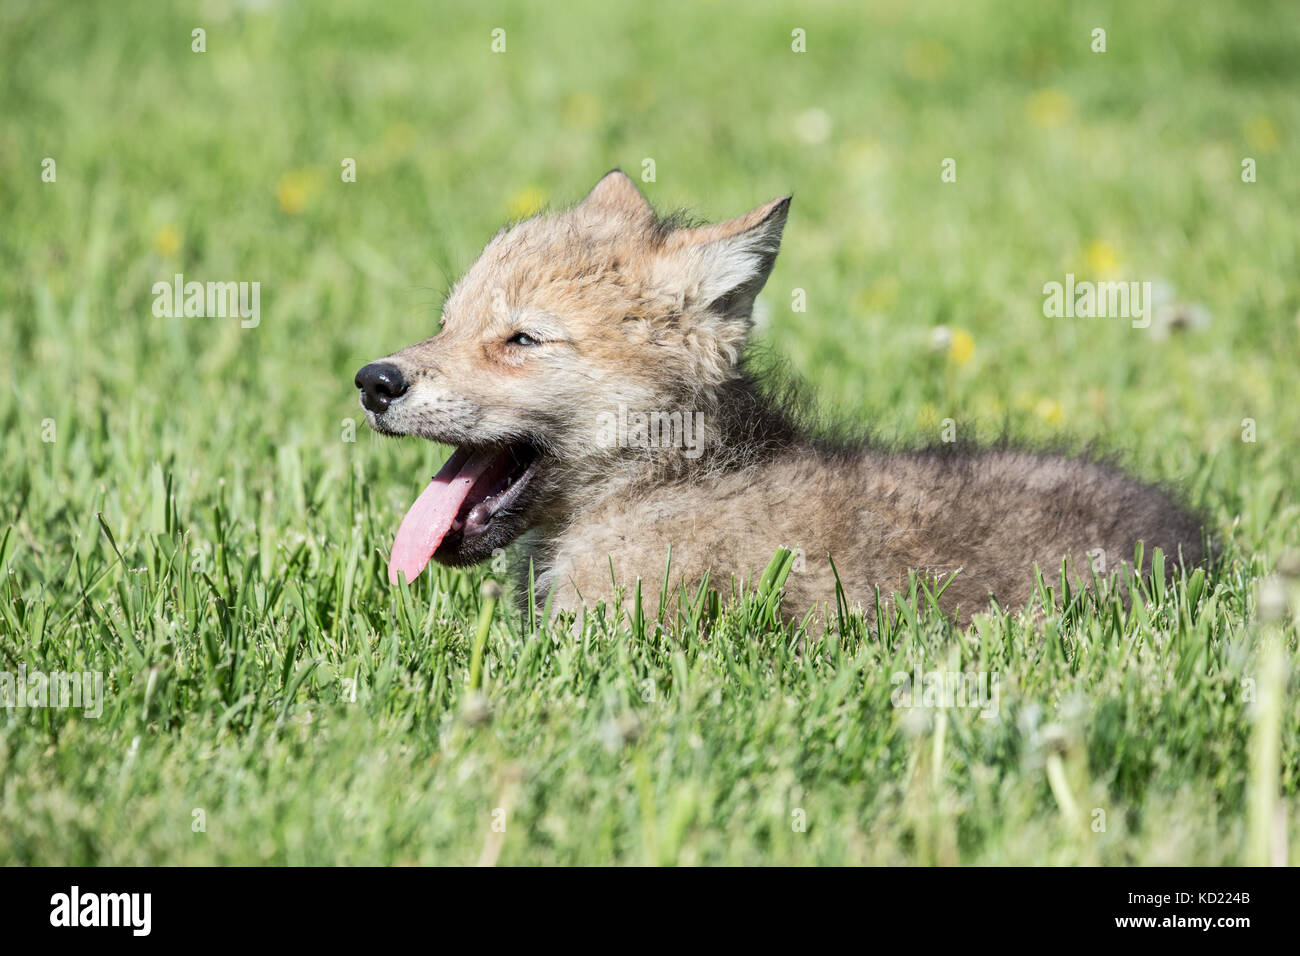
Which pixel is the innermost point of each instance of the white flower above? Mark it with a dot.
(813, 126)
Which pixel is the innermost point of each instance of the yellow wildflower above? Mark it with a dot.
(1050, 107)
(1101, 258)
(1262, 134)
(1050, 411)
(961, 347)
(526, 202)
(167, 241)
(294, 189)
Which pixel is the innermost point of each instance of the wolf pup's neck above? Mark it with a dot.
(737, 425)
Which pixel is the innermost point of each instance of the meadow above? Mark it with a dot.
(194, 509)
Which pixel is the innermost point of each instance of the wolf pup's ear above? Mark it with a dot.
(617, 195)
(730, 261)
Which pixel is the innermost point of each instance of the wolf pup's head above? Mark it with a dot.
(567, 326)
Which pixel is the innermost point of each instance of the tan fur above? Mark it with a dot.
(643, 315)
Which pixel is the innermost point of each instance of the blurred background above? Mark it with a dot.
(924, 298)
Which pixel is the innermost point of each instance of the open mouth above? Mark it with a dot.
(475, 486)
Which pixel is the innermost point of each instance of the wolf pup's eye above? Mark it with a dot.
(522, 338)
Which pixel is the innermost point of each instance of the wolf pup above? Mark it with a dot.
(590, 372)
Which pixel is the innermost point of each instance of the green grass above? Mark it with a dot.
(201, 530)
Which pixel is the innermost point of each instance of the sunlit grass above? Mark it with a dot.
(197, 510)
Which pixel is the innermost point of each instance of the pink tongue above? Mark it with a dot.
(431, 517)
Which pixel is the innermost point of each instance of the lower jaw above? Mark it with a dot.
(458, 552)
(455, 558)
(451, 548)
(464, 547)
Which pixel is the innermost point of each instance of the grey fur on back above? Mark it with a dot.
(985, 516)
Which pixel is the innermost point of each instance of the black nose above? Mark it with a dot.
(381, 384)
